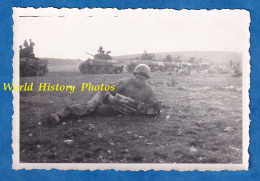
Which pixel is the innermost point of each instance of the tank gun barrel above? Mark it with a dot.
(89, 54)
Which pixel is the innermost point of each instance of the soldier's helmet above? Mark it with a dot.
(142, 69)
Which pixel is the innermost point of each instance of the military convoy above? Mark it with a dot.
(100, 64)
(29, 64)
(168, 64)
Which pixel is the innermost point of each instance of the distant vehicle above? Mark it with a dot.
(32, 67)
(29, 64)
(154, 65)
(146, 58)
(100, 64)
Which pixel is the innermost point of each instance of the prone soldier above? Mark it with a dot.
(130, 96)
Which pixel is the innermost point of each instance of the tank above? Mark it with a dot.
(29, 64)
(101, 63)
(154, 65)
(32, 67)
(145, 58)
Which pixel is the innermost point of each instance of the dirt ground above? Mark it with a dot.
(201, 122)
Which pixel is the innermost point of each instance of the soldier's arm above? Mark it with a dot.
(152, 106)
(119, 86)
(109, 95)
(150, 97)
(153, 98)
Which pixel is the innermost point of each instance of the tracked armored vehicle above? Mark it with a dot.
(29, 64)
(145, 58)
(101, 63)
(154, 65)
(32, 67)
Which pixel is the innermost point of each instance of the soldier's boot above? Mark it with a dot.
(78, 109)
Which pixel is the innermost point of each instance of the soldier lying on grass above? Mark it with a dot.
(131, 96)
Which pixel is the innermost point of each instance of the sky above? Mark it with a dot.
(69, 33)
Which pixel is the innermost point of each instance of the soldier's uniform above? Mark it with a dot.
(100, 105)
(128, 88)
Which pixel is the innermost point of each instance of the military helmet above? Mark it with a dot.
(142, 69)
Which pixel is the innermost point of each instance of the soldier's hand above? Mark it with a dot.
(111, 99)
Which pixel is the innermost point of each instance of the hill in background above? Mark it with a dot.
(212, 57)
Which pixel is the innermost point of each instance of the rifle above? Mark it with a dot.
(127, 105)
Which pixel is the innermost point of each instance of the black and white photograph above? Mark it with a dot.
(132, 89)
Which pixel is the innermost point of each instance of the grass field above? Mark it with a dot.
(201, 122)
